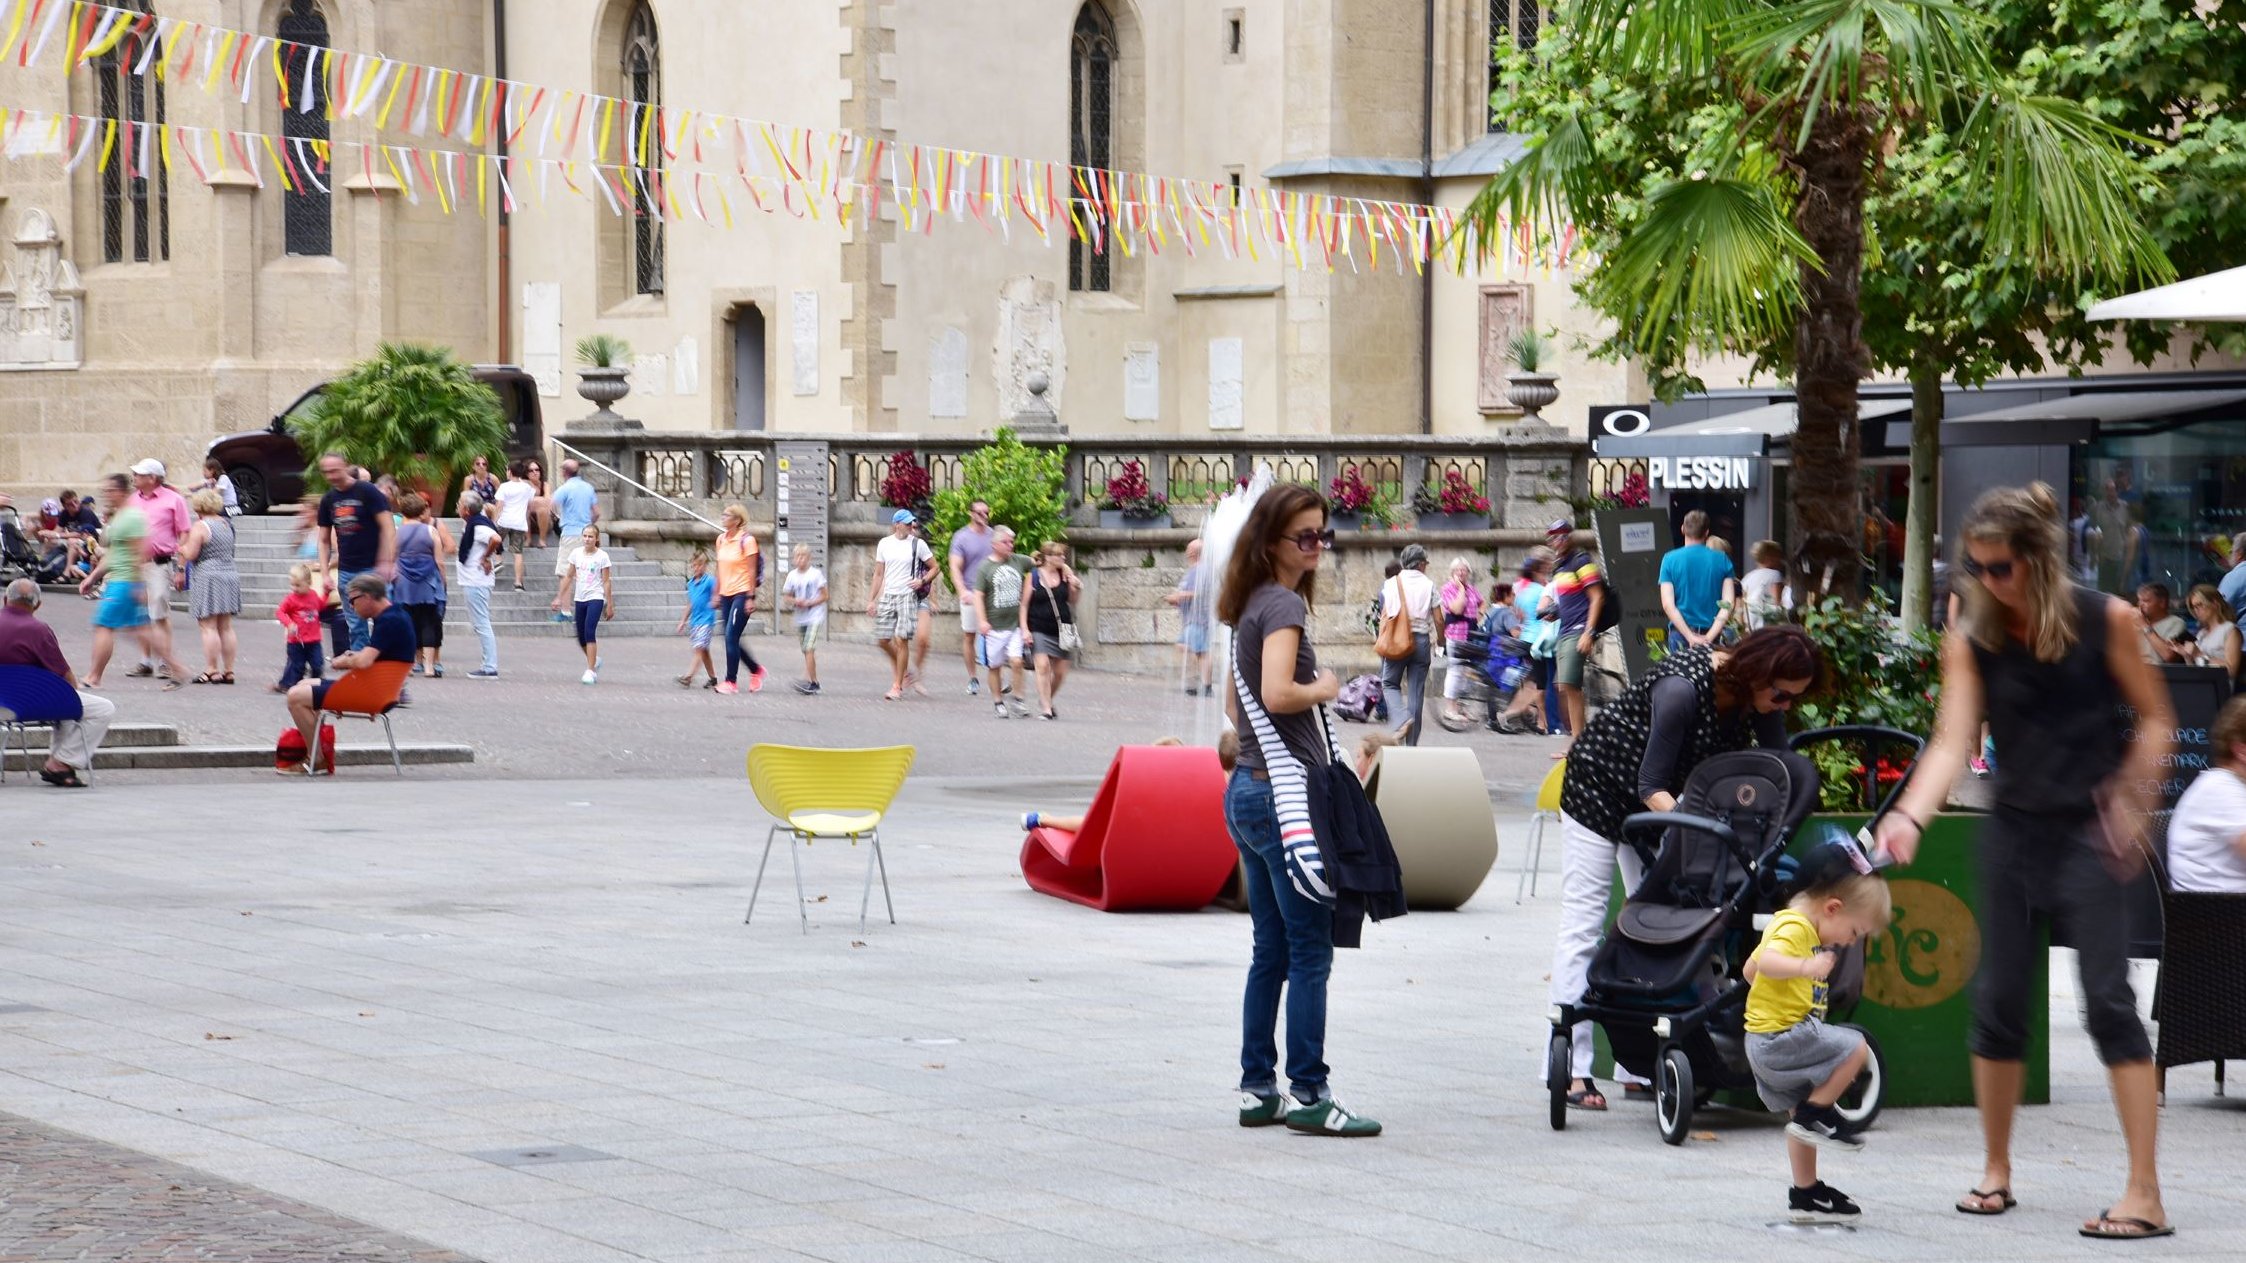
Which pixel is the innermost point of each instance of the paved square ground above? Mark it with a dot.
(342, 992)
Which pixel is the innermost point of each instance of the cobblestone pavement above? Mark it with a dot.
(63, 1196)
(372, 998)
(538, 723)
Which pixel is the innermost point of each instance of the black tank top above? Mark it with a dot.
(2057, 725)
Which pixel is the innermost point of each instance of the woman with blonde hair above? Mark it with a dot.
(214, 586)
(2049, 665)
(739, 569)
(2218, 641)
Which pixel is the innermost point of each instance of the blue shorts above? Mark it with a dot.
(121, 606)
(1195, 637)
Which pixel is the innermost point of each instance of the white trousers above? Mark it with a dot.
(1587, 865)
(76, 740)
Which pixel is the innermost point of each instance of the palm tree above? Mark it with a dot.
(1784, 112)
(411, 411)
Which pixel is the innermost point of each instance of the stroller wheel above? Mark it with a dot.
(1861, 1103)
(1558, 1060)
(1673, 1095)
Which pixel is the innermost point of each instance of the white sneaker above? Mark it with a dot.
(590, 677)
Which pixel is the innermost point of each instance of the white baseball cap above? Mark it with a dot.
(150, 468)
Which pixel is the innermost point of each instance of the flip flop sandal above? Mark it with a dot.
(227, 678)
(66, 779)
(1581, 1098)
(1971, 1204)
(2130, 1229)
(205, 678)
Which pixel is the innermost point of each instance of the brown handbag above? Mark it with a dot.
(1395, 640)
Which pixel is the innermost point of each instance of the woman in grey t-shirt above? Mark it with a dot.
(1266, 600)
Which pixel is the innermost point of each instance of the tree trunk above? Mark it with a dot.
(1827, 500)
(1926, 492)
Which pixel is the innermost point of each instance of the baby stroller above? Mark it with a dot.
(1666, 984)
(18, 554)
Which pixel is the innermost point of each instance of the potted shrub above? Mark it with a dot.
(603, 372)
(906, 485)
(1528, 387)
(413, 412)
(1456, 506)
(1133, 503)
(1357, 503)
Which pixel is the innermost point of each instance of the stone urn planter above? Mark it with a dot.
(603, 387)
(1531, 393)
(1454, 521)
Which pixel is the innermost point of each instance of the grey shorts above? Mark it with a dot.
(1792, 1063)
(516, 540)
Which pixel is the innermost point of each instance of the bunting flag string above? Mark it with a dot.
(806, 176)
(809, 167)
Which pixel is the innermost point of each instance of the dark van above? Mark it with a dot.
(268, 465)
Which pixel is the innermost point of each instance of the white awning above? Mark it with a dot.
(1748, 432)
(2215, 296)
(2070, 418)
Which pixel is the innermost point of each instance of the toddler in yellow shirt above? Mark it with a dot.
(1801, 1064)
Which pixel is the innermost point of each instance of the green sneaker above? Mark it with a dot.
(1330, 1118)
(1257, 1110)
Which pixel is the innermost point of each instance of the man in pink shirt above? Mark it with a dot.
(169, 520)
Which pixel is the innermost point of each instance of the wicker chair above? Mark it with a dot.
(2200, 1002)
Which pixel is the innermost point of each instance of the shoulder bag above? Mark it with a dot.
(1395, 640)
(1070, 640)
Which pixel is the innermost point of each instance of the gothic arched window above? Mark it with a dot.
(643, 83)
(136, 218)
(307, 219)
(1091, 131)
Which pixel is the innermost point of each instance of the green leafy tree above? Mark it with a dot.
(1026, 488)
(411, 411)
(1719, 159)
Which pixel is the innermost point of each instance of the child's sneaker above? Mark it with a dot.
(1029, 821)
(756, 680)
(1980, 767)
(1259, 1110)
(1821, 1203)
(809, 688)
(998, 709)
(728, 688)
(1822, 1125)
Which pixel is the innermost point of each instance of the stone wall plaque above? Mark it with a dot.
(1227, 410)
(1142, 382)
(1029, 342)
(1505, 312)
(803, 329)
(542, 336)
(42, 303)
(947, 372)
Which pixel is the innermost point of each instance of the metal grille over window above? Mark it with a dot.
(136, 220)
(1513, 24)
(308, 218)
(643, 83)
(1091, 134)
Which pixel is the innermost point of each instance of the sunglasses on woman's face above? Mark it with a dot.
(1783, 697)
(1312, 541)
(1998, 570)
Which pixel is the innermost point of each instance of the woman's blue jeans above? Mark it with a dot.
(1294, 951)
(733, 613)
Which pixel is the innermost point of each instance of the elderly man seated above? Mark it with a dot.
(27, 642)
(390, 639)
(2207, 833)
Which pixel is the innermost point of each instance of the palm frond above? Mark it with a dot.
(1558, 170)
(1714, 263)
(1685, 38)
(2064, 192)
(1823, 53)
(413, 411)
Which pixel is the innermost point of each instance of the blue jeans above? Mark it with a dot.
(733, 611)
(1294, 947)
(361, 628)
(479, 617)
(303, 664)
(1403, 684)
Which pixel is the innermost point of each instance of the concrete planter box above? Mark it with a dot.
(1118, 520)
(1454, 521)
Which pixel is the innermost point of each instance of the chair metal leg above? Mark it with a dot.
(397, 764)
(802, 910)
(882, 861)
(2218, 1076)
(760, 872)
(1532, 857)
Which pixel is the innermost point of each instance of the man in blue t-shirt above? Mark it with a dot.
(390, 638)
(1696, 588)
(357, 534)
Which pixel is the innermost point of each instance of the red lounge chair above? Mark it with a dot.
(1154, 838)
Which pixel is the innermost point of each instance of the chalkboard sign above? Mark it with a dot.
(1631, 542)
(2196, 693)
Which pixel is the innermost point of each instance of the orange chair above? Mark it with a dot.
(1154, 838)
(372, 692)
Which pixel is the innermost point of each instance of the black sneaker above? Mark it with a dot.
(1822, 1125)
(1821, 1203)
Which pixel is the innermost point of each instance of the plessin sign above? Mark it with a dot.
(1701, 473)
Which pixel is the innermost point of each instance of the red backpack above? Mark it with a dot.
(288, 752)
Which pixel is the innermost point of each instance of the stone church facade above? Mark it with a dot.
(197, 311)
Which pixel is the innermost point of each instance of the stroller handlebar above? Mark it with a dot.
(1646, 822)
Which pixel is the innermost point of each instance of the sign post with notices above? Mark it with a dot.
(799, 507)
(1631, 542)
(2196, 693)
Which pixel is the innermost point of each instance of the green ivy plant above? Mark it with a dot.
(1026, 488)
(411, 411)
(1876, 673)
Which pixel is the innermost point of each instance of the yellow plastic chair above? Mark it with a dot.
(1547, 805)
(814, 794)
